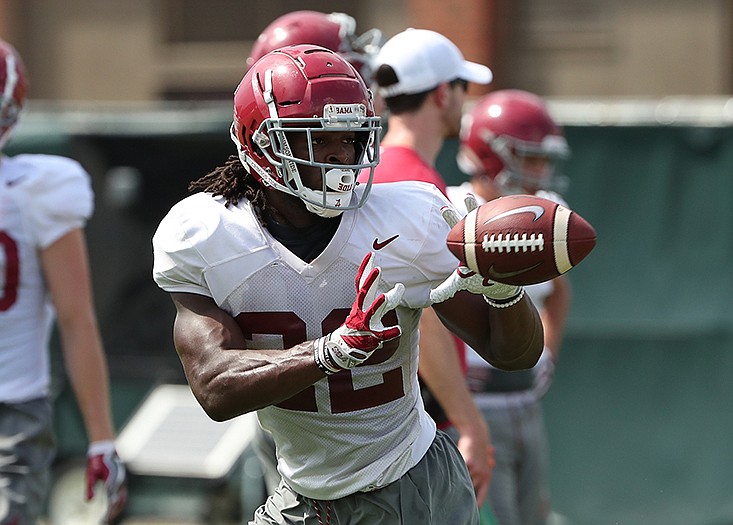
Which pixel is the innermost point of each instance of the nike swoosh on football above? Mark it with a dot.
(493, 274)
(538, 211)
(379, 245)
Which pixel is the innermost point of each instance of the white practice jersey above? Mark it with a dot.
(42, 197)
(356, 430)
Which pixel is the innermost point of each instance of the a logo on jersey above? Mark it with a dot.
(13, 182)
(377, 245)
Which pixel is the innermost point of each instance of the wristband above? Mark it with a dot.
(505, 303)
(320, 356)
(101, 447)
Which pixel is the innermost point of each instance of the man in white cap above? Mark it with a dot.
(422, 77)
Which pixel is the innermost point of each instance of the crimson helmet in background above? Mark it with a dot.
(506, 133)
(334, 31)
(13, 89)
(305, 89)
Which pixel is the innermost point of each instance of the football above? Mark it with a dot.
(521, 239)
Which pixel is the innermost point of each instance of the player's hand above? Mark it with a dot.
(104, 466)
(479, 458)
(363, 332)
(480, 461)
(463, 278)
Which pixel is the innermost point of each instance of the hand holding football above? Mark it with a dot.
(521, 239)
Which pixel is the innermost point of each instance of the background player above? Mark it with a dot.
(45, 202)
(263, 265)
(334, 31)
(510, 144)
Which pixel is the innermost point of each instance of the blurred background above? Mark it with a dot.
(639, 420)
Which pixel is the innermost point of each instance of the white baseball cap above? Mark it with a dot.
(423, 59)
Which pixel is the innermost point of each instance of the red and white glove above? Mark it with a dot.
(105, 466)
(363, 332)
(498, 295)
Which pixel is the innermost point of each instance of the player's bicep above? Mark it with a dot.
(202, 329)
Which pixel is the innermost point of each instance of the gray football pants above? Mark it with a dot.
(519, 492)
(436, 491)
(27, 448)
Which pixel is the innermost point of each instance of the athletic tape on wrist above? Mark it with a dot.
(323, 359)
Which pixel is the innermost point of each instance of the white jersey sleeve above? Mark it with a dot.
(178, 262)
(42, 197)
(204, 247)
(59, 194)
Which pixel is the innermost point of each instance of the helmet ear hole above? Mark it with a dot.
(260, 141)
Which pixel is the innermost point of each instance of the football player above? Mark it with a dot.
(510, 144)
(45, 202)
(298, 295)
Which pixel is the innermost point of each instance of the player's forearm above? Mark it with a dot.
(233, 382)
(86, 367)
(508, 338)
(441, 373)
(227, 378)
(440, 368)
(516, 337)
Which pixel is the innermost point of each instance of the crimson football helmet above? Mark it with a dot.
(13, 89)
(510, 137)
(334, 31)
(305, 89)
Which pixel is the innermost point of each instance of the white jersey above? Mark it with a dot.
(42, 197)
(356, 430)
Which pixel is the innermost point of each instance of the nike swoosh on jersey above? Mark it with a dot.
(497, 276)
(377, 245)
(16, 180)
(538, 211)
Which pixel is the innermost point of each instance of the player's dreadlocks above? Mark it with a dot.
(232, 182)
